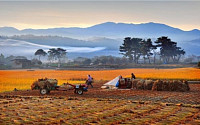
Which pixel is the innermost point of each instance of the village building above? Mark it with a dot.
(20, 63)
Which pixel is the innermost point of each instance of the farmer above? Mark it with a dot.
(89, 81)
(132, 76)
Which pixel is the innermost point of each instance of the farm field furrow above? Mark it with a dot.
(51, 110)
(128, 113)
(156, 116)
(179, 117)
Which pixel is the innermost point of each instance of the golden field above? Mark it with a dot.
(22, 79)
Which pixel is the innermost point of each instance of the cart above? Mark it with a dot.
(47, 85)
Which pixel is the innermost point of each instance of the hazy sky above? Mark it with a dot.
(48, 14)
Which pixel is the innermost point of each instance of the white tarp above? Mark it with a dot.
(113, 83)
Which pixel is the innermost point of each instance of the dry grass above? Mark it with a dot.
(22, 79)
(34, 110)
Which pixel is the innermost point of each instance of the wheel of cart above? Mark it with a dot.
(44, 91)
(78, 90)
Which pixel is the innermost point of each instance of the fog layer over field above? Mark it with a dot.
(17, 47)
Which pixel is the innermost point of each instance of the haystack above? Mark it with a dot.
(157, 85)
(161, 85)
(129, 83)
(52, 81)
(177, 85)
(140, 84)
(34, 85)
(148, 84)
(134, 83)
(183, 86)
(172, 85)
(40, 83)
(186, 85)
(165, 86)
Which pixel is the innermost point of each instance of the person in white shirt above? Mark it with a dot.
(89, 81)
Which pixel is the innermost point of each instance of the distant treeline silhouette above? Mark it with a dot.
(134, 48)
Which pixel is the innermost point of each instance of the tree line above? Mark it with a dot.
(135, 48)
(132, 48)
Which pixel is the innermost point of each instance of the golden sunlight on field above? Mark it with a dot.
(22, 79)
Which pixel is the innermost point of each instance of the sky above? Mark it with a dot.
(50, 14)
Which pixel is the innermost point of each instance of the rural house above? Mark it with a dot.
(20, 62)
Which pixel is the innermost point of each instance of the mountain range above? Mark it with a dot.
(103, 38)
(110, 30)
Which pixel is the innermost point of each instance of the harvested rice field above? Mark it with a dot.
(22, 79)
(79, 111)
(98, 106)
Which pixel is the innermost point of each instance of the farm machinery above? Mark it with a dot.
(46, 85)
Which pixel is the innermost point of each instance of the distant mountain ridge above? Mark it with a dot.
(100, 39)
(111, 30)
(191, 47)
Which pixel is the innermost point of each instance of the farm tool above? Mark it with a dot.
(47, 85)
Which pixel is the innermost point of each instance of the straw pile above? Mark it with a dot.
(134, 83)
(34, 85)
(161, 85)
(140, 84)
(40, 83)
(157, 85)
(148, 84)
(172, 85)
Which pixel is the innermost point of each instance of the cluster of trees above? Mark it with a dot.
(134, 48)
(54, 54)
(58, 55)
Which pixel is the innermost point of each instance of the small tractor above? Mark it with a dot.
(46, 85)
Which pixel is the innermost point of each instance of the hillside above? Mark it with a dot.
(100, 39)
(191, 47)
(24, 48)
(27, 44)
(111, 30)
